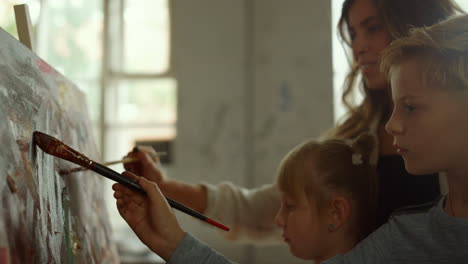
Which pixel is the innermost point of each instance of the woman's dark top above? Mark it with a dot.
(398, 188)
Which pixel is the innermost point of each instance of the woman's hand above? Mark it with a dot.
(147, 164)
(149, 216)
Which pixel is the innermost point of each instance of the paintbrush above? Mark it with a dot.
(55, 147)
(124, 161)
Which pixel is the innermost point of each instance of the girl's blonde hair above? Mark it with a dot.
(317, 169)
(399, 16)
(442, 50)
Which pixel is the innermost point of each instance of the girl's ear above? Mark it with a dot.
(340, 211)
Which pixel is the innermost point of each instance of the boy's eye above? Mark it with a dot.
(408, 107)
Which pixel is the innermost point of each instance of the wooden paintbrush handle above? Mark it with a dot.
(124, 161)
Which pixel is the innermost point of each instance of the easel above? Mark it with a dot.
(23, 25)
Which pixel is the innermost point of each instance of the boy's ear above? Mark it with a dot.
(340, 212)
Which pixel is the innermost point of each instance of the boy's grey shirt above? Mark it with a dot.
(193, 251)
(417, 235)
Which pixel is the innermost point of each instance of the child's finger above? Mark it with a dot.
(122, 192)
(152, 191)
(129, 197)
(122, 188)
(118, 194)
(129, 175)
(117, 187)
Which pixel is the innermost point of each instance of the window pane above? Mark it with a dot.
(146, 36)
(7, 15)
(7, 18)
(93, 96)
(144, 101)
(463, 4)
(69, 37)
(340, 62)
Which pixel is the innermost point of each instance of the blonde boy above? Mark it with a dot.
(428, 72)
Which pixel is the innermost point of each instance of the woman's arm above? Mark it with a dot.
(249, 213)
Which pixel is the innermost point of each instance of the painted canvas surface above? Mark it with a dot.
(46, 217)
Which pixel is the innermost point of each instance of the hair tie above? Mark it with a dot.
(357, 158)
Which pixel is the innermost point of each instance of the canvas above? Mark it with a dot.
(46, 217)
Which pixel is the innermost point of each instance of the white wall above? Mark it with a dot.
(254, 80)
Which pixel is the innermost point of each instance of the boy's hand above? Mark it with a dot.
(149, 216)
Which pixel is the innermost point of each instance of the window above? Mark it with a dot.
(140, 90)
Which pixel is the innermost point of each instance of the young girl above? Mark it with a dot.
(328, 197)
(429, 123)
(367, 26)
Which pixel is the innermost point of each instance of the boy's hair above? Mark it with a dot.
(316, 169)
(442, 50)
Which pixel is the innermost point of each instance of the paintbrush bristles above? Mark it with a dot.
(55, 147)
(45, 142)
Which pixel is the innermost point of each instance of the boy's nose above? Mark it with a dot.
(393, 126)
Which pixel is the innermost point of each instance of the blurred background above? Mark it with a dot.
(225, 87)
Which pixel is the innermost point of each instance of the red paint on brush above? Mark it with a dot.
(3, 255)
(219, 225)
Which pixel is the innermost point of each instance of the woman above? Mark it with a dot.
(367, 26)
